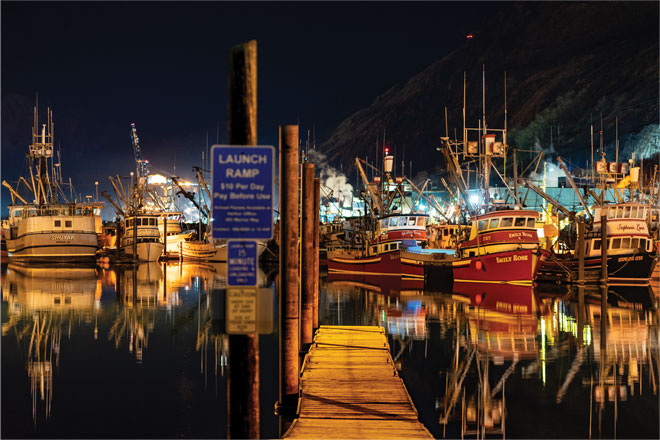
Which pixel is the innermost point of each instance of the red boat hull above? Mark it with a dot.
(389, 264)
(514, 267)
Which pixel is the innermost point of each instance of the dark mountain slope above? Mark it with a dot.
(564, 62)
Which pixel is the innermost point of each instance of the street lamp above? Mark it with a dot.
(96, 183)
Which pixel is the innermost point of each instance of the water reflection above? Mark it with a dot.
(514, 360)
(152, 333)
(42, 304)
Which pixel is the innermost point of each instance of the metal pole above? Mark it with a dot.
(315, 253)
(243, 364)
(580, 244)
(307, 272)
(289, 300)
(165, 237)
(135, 236)
(603, 280)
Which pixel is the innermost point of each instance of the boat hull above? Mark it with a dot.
(195, 250)
(513, 267)
(52, 246)
(145, 251)
(630, 268)
(389, 264)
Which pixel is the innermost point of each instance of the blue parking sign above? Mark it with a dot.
(242, 179)
(242, 263)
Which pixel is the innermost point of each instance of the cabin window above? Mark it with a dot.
(626, 212)
(493, 223)
(633, 212)
(67, 300)
(619, 212)
(520, 222)
(642, 212)
(506, 222)
(634, 243)
(421, 221)
(393, 221)
(58, 223)
(472, 254)
(445, 232)
(625, 243)
(596, 245)
(152, 221)
(57, 300)
(483, 224)
(616, 243)
(374, 249)
(411, 221)
(67, 223)
(383, 223)
(530, 222)
(648, 245)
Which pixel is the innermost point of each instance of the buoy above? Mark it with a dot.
(478, 265)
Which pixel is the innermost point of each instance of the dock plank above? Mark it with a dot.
(349, 388)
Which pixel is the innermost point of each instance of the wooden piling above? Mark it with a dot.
(289, 299)
(315, 252)
(118, 237)
(307, 262)
(243, 364)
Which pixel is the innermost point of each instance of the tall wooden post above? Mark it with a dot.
(315, 253)
(603, 282)
(289, 299)
(307, 321)
(243, 377)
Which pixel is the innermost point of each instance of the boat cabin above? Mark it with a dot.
(627, 230)
(399, 231)
(501, 231)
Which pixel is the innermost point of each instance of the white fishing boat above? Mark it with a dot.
(141, 237)
(43, 228)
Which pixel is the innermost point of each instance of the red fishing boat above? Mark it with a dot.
(382, 255)
(503, 247)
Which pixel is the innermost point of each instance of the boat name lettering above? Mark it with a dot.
(628, 227)
(632, 258)
(61, 237)
(512, 258)
(520, 235)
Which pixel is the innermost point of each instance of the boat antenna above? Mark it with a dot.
(616, 157)
(592, 146)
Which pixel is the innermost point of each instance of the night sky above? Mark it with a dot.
(163, 65)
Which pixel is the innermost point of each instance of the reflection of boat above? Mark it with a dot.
(502, 319)
(41, 302)
(387, 285)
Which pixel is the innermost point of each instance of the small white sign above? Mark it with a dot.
(241, 310)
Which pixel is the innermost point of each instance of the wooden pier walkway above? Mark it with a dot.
(351, 389)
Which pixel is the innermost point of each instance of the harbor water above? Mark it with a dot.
(142, 352)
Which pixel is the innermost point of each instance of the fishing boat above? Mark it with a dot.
(45, 228)
(170, 221)
(503, 247)
(631, 256)
(141, 238)
(382, 255)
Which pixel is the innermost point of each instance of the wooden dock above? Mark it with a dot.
(349, 388)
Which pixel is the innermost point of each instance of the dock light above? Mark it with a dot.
(387, 151)
(474, 199)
